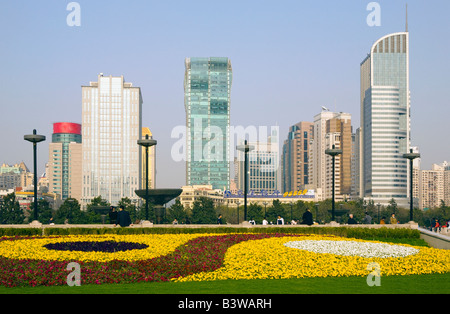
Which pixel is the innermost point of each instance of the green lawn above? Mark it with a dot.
(422, 284)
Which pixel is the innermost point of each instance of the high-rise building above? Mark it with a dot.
(64, 165)
(207, 87)
(112, 125)
(263, 164)
(331, 128)
(295, 157)
(433, 186)
(14, 176)
(151, 162)
(385, 120)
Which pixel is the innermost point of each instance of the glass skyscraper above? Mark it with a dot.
(112, 125)
(207, 87)
(385, 120)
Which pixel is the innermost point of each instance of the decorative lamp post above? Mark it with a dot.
(146, 143)
(245, 148)
(411, 156)
(265, 204)
(35, 138)
(333, 153)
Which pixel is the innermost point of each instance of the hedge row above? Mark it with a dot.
(359, 233)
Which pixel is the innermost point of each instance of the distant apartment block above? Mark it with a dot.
(295, 157)
(14, 176)
(433, 186)
(331, 128)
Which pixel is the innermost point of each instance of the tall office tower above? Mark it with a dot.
(263, 164)
(207, 87)
(385, 120)
(112, 125)
(64, 165)
(331, 128)
(151, 162)
(295, 157)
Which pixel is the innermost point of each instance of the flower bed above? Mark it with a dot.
(31, 261)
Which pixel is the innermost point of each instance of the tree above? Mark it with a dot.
(203, 211)
(176, 211)
(10, 211)
(70, 212)
(277, 209)
(45, 212)
(392, 207)
(255, 212)
(93, 216)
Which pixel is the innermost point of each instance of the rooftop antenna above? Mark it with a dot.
(406, 17)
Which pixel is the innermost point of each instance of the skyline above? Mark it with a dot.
(288, 58)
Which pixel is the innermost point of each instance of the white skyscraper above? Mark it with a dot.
(111, 127)
(385, 121)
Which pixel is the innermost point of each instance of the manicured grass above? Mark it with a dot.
(415, 284)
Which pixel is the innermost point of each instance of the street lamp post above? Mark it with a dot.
(265, 204)
(333, 153)
(411, 156)
(35, 138)
(245, 148)
(146, 143)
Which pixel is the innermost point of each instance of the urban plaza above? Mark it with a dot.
(301, 169)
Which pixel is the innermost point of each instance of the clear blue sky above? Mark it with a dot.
(289, 58)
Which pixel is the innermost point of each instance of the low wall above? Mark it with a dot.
(435, 239)
(241, 225)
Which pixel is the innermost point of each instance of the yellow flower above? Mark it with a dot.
(158, 245)
(270, 258)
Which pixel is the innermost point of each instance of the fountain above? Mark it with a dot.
(158, 197)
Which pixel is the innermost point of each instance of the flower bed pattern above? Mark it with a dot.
(28, 261)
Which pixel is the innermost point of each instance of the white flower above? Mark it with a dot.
(353, 248)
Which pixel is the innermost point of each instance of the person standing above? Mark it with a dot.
(219, 220)
(112, 215)
(393, 220)
(280, 220)
(307, 218)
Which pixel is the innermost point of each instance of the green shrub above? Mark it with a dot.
(358, 233)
